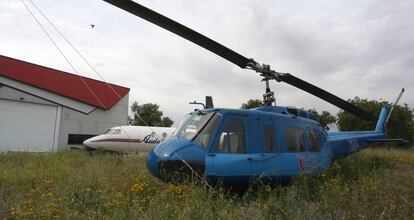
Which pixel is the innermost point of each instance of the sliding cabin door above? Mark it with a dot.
(229, 160)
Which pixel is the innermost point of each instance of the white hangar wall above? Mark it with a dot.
(77, 126)
(44, 109)
(27, 123)
(13, 94)
(30, 123)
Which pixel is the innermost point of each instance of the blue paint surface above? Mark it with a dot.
(257, 162)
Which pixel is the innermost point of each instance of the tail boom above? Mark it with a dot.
(382, 121)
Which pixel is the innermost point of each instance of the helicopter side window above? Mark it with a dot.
(269, 138)
(232, 138)
(205, 136)
(223, 143)
(314, 141)
(294, 139)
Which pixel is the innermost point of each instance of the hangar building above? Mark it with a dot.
(47, 110)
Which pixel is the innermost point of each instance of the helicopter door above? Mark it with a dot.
(270, 158)
(294, 159)
(314, 162)
(229, 161)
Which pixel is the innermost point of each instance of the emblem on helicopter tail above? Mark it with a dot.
(353, 145)
(306, 163)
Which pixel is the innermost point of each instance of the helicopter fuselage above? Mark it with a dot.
(268, 144)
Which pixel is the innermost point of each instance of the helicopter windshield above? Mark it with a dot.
(192, 124)
(203, 138)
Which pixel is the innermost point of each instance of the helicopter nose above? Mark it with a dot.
(152, 164)
(175, 160)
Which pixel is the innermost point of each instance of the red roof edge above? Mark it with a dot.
(83, 89)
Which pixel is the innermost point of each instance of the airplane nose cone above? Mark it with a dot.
(92, 142)
(86, 143)
(152, 164)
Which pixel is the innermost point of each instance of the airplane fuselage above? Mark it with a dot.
(129, 138)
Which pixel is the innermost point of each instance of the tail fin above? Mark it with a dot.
(382, 121)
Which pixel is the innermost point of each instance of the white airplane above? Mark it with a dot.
(129, 138)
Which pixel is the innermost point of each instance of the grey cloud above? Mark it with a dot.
(358, 48)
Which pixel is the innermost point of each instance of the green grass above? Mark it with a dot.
(376, 183)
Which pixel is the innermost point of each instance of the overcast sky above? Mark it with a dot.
(349, 48)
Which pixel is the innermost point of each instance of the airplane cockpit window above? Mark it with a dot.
(314, 141)
(294, 139)
(192, 124)
(109, 131)
(269, 138)
(232, 138)
(206, 134)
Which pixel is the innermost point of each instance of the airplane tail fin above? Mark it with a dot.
(382, 121)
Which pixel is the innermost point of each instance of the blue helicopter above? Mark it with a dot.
(270, 143)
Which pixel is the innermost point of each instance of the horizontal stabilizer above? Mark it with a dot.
(401, 141)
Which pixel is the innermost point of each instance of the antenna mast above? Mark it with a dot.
(395, 103)
(269, 96)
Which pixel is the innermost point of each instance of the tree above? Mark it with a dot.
(166, 122)
(252, 103)
(400, 124)
(149, 115)
(326, 118)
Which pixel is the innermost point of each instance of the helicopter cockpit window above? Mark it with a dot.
(294, 139)
(192, 124)
(206, 134)
(232, 138)
(314, 141)
(269, 138)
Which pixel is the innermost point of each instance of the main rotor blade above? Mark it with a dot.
(232, 56)
(180, 30)
(334, 100)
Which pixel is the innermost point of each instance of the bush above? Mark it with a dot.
(371, 184)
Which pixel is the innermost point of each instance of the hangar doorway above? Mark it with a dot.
(27, 126)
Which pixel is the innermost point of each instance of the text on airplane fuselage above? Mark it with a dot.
(148, 140)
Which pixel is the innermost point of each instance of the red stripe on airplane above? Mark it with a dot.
(117, 140)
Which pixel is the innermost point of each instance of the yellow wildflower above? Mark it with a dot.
(137, 187)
